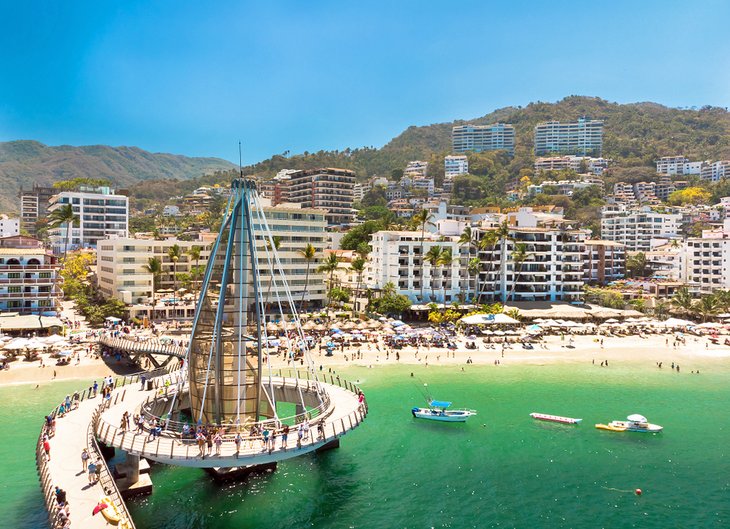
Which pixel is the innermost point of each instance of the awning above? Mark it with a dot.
(440, 404)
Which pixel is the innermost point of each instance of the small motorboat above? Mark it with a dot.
(439, 411)
(633, 423)
(555, 418)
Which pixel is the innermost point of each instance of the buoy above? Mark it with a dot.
(638, 492)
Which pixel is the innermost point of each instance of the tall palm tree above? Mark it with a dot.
(487, 243)
(194, 254)
(329, 266)
(519, 256)
(422, 218)
(473, 268)
(154, 267)
(682, 300)
(63, 215)
(309, 253)
(723, 299)
(174, 253)
(358, 266)
(444, 261)
(432, 256)
(502, 235)
(707, 307)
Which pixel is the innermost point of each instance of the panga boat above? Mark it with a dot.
(438, 411)
(633, 423)
(555, 418)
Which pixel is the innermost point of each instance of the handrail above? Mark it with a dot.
(44, 475)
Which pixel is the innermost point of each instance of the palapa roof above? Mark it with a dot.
(568, 311)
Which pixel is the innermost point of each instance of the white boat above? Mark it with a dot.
(438, 411)
(555, 418)
(633, 423)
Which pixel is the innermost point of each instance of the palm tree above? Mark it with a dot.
(682, 300)
(174, 253)
(502, 235)
(519, 256)
(63, 215)
(487, 244)
(723, 299)
(473, 268)
(422, 218)
(154, 267)
(194, 253)
(432, 256)
(707, 306)
(309, 253)
(444, 260)
(661, 309)
(637, 265)
(358, 266)
(329, 266)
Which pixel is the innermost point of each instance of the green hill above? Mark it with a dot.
(24, 162)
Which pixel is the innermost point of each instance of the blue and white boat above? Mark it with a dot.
(438, 410)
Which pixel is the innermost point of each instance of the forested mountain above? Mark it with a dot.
(24, 162)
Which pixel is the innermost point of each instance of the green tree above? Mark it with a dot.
(445, 260)
(432, 257)
(706, 307)
(329, 266)
(154, 267)
(473, 269)
(194, 254)
(360, 234)
(682, 300)
(637, 265)
(519, 256)
(358, 266)
(60, 216)
(174, 253)
(309, 253)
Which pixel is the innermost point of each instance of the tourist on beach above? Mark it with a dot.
(84, 459)
(92, 472)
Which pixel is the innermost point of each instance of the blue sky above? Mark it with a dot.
(195, 77)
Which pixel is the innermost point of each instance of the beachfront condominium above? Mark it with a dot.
(550, 269)
(399, 257)
(455, 165)
(480, 138)
(34, 206)
(605, 261)
(637, 227)
(583, 137)
(29, 278)
(122, 272)
(707, 260)
(328, 189)
(100, 213)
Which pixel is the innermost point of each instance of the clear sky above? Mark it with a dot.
(192, 77)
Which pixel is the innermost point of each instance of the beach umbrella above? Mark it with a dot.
(99, 507)
(310, 325)
(320, 327)
(53, 339)
(35, 343)
(67, 352)
(16, 344)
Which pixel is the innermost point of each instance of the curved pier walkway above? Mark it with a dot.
(343, 412)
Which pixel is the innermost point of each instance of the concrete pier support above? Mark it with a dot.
(334, 443)
(239, 473)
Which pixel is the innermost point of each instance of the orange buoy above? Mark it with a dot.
(638, 492)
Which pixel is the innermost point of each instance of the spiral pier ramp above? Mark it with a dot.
(228, 385)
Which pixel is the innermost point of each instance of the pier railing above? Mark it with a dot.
(151, 346)
(49, 495)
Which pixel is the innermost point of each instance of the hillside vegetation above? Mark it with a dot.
(24, 162)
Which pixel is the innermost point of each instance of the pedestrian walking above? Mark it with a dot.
(237, 440)
(92, 472)
(218, 440)
(84, 459)
(47, 449)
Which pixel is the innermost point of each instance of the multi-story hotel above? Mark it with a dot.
(455, 165)
(121, 261)
(416, 169)
(583, 137)
(478, 138)
(327, 189)
(8, 226)
(716, 171)
(605, 261)
(707, 260)
(396, 258)
(636, 227)
(574, 163)
(101, 214)
(678, 165)
(29, 278)
(34, 206)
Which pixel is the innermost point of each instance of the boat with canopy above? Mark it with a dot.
(633, 423)
(438, 410)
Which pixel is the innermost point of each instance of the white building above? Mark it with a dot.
(668, 261)
(29, 278)
(708, 260)
(396, 257)
(456, 165)
(171, 211)
(564, 187)
(478, 138)
(101, 214)
(636, 227)
(121, 261)
(416, 169)
(423, 184)
(578, 164)
(605, 261)
(678, 165)
(8, 226)
(716, 171)
(583, 137)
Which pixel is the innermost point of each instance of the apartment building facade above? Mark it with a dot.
(30, 282)
(678, 165)
(34, 206)
(328, 189)
(101, 214)
(716, 171)
(605, 261)
(636, 227)
(9, 226)
(583, 137)
(455, 165)
(479, 138)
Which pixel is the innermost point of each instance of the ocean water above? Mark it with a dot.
(500, 469)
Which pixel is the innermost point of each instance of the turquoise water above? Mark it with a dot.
(501, 469)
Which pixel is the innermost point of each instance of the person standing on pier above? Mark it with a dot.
(84, 459)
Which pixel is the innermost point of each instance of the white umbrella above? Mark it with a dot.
(35, 343)
(53, 339)
(16, 344)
